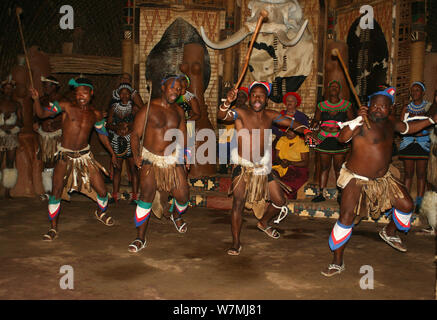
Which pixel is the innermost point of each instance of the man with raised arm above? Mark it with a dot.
(252, 179)
(367, 178)
(76, 169)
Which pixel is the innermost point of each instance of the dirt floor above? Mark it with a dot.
(195, 265)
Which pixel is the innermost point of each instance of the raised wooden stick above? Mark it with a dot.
(262, 16)
(149, 83)
(337, 54)
(18, 11)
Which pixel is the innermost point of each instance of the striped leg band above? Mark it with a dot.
(340, 235)
(54, 207)
(102, 202)
(181, 208)
(402, 219)
(142, 212)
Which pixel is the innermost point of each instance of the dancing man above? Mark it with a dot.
(160, 169)
(75, 168)
(11, 122)
(252, 179)
(367, 179)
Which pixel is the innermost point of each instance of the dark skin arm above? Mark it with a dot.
(41, 112)
(138, 101)
(137, 132)
(105, 141)
(183, 129)
(317, 117)
(109, 124)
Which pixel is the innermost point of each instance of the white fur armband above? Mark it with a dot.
(406, 118)
(408, 127)
(358, 121)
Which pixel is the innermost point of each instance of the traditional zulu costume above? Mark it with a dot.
(415, 147)
(255, 175)
(80, 163)
(164, 169)
(9, 141)
(329, 140)
(121, 144)
(377, 195)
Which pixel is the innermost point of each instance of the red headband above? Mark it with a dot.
(294, 94)
(244, 89)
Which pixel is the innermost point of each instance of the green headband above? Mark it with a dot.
(334, 81)
(75, 84)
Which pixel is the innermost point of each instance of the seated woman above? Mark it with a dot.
(120, 122)
(293, 158)
(291, 101)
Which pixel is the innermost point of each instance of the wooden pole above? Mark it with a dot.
(262, 15)
(18, 11)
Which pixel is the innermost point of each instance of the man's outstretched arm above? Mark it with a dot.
(53, 110)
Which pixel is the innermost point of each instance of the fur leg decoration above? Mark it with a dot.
(10, 177)
(47, 176)
(429, 208)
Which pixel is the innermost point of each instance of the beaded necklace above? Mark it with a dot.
(123, 110)
(340, 106)
(412, 108)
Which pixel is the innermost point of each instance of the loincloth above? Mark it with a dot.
(377, 195)
(432, 161)
(256, 178)
(48, 143)
(164, 168)
(80, 164)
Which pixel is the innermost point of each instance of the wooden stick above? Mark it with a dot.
(262, 15)
(336, 53)
(18, 11)
(147, 116)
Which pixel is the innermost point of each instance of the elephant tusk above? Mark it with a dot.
(283, 38)
(227, 43)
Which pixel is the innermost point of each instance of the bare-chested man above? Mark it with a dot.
(367, 179)
(252, 180)
(158, 170)
(49, 131)
(76, 169)
(10, 125)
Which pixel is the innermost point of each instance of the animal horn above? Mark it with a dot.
(227, 43)
(283, 38)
